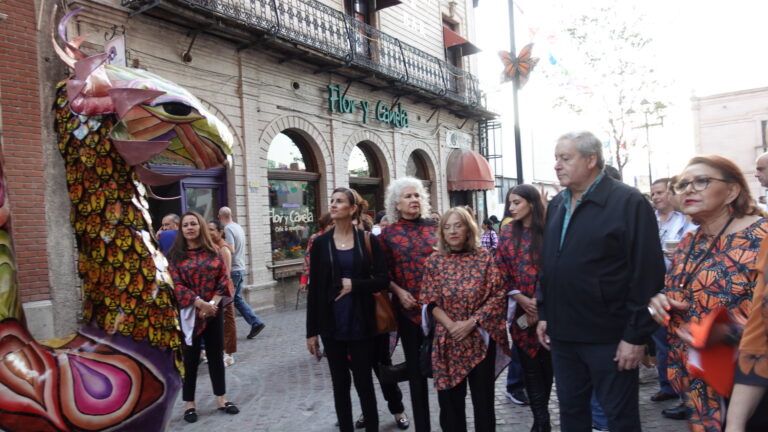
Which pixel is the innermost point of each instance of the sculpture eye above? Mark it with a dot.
(177, 108)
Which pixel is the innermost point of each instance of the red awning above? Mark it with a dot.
(381, 4)
(453, 41)
(467, 170)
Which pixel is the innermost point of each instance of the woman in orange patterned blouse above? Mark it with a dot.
(462, 291)
(752, 364)
(712, 268)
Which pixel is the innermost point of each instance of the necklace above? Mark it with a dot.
(343, 242)
(693, 273)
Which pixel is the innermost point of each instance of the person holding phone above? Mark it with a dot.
(341, 308)
(519, 259)
(200, 282)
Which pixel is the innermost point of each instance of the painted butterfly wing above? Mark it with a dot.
(525, 53)
(509, 66)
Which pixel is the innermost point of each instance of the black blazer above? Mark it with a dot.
(325, 283)
(596, 287)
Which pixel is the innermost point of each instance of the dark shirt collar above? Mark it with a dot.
(413, 221)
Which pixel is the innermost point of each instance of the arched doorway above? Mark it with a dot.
(293, 189)
(367, 175)
(417, 166)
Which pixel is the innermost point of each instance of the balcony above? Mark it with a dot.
(330, 40)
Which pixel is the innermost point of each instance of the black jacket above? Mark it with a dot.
(325, 283)
(596, 287)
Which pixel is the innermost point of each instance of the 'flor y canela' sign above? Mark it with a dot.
(394, 115)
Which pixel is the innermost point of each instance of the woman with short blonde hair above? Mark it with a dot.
(473, 232)
(463, 295)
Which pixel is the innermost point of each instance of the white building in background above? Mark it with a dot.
(733, 125)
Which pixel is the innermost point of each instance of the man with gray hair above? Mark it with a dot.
(235, 236)
(601, 264)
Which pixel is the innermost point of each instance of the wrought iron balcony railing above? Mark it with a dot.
(336, 34)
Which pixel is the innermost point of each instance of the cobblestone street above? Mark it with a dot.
(279, 387)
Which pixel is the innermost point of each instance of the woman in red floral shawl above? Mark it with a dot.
(518, 259)
(200, 281)
(407, 242)
(462, 290)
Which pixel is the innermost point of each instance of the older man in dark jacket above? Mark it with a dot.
(602, 263)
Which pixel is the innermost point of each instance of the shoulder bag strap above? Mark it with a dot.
(368, 249)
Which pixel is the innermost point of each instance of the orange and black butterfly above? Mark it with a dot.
(520, 66)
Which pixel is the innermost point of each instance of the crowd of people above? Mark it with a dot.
(580, 290)
(576, 292)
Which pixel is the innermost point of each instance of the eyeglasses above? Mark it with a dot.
(698, 183)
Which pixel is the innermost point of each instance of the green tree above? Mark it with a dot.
(615, 56)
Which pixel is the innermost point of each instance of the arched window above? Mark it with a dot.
(365, 175)
(292, 195)
(417, 167)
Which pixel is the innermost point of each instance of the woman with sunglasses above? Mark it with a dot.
(340, 306)
(713, 267)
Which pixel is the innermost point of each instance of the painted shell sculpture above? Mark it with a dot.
(121, 370)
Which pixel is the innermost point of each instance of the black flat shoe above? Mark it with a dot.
(360, 422)
(402, 422)
(229, 408)
(679, 412)
(190, 415)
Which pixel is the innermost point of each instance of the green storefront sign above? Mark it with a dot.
(394, 115)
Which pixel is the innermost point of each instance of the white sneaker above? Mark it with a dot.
(229, 360)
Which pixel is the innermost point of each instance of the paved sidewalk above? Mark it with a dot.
(279, 387)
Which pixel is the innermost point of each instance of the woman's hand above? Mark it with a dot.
(459, 330)
(302, 287)
(313, 345)
(205, 308)
(346, 288)
(528, 304)
(661, 306)
(406, 299)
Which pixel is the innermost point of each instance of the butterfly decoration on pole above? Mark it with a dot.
(519, 67)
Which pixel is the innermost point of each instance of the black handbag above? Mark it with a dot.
(393, 374)
(425, 350)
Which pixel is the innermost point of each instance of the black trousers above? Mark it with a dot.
(356, 356)
(453, 417)
(581, 367)
(412, 336)
(213, 335)
(392, 393)
(538, 384)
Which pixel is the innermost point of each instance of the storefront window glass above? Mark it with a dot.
(359, 165)
(284, 154)
(415, 167)
(292, 217)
